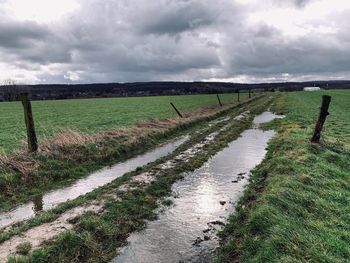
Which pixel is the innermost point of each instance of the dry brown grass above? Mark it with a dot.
(64, 138)
(205, 111)
(19, 162)
(160, 124)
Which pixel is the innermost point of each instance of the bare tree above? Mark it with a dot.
(11, 90)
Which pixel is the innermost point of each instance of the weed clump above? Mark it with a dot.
(24, 248)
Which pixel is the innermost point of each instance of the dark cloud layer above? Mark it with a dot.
(139, 40)
(179, 18)
(16, 35)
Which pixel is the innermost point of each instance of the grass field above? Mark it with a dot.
(296, 208)
(92, 115)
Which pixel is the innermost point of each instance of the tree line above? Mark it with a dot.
(10, 91)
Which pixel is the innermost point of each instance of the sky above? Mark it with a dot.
(246, 41)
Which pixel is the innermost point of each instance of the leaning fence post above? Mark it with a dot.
(326, 100)
(178, 113)
(217, 95)
(28, 117)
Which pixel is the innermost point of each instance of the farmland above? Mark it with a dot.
(293, 208)
(296, 207)
(93, 115)
(109, 228)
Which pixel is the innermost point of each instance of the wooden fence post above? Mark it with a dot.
(326, 100)
(238, 95)
(178, 113)
(28, 117)
(217, 95)
(249, 94)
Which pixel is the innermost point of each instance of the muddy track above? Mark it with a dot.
(202, 139)
(187, 230)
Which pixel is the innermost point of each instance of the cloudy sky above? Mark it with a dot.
(83, 41)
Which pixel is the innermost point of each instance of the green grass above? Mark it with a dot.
(24, 248)
(296, 208)
(93, 115)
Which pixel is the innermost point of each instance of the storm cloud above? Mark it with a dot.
(183, 40)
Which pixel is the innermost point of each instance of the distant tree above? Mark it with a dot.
(11, 90)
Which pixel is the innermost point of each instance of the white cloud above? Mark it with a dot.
(138, 40)
(39, 10)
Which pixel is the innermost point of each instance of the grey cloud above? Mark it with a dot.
(296, 3)
(262, 51)
(302, 3)
(178, 18)
(109, 47)
(156, 55)
(296, 58)
(20, 34)
(29, 42)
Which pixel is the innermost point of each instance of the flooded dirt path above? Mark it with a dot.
(85, 185)
(186, 232)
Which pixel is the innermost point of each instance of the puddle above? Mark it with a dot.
(85, 185)
(186, 232)
(266, 117)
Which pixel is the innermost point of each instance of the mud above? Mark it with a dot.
(242, 115)
(37, 235)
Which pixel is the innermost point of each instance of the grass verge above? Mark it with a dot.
(295, 208)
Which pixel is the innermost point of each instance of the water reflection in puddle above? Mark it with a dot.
(266, 117)
(186, 232)
(85, 185)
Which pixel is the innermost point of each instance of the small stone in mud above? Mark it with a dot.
(222, 202)
(197, 241)
(240, 174)
(206, 230)
(217, 222)
(206, 238)
(235, 181)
